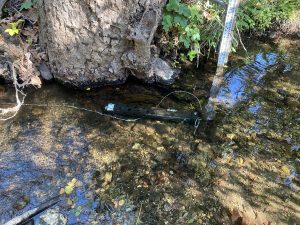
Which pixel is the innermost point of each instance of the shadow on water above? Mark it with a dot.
(151, 172)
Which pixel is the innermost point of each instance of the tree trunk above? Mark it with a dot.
(96, 42)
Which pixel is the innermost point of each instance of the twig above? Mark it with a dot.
(139, 215)
(240, 39)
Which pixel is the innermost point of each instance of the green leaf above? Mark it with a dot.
(185, 40)
(173, 5)
(69, 189)
(167, 22)
(192, 55)
(179, 20)
(78, 211)
(195, 15)
(29, 40)
(184, 10)
(196, 37)
(26, 5)
(12, 31)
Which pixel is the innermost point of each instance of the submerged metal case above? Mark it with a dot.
(134, 111)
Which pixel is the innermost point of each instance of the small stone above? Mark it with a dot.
(74, 180)
(161, 149)
(150, 130)
(69, 202)
(61, 191)
(52, 217)
(240, 161)
(22, 203)
(293, 103)
(107, 178)
(163, 72)
(45, 72)
(285, 171)
(79, 184)
(231, 136)
(121, 202)
(136, 146)
(167, 207)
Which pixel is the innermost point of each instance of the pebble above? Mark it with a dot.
(107, 178)
(45, 72)
(161, 149)
(240, 161)
(22, 203)
(52, 217)
(285, 171)
(136, 146)
(150, 130)
(69, 202)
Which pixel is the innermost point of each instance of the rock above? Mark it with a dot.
(231, 137)
(107, 178)
(240, 161)
(52, 217)
(285, 171)
(22, 203)
(136, 146)
(5, 72)
(69, 202)
(163, 73)
(293, 103)
(161, 149)
(150, 130)
(45, 72)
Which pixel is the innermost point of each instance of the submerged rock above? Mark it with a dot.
(22, 203)
(52, 217)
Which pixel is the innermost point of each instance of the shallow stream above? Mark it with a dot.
(110, 171)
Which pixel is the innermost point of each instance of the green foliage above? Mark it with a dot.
(260, 15)
(196, 27)
(26, 5)
(191, 27)
(14, 28)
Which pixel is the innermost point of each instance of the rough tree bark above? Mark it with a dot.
(97, 42)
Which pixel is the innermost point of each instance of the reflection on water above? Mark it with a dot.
(157, 171)
(240, 81)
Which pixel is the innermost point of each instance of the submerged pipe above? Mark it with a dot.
(223, 57)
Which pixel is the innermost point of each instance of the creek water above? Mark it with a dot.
(152, 172)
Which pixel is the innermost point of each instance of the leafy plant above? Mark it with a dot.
(196, 27)
(191, 26)
(26, 5)
(260, 15)
(14, 28)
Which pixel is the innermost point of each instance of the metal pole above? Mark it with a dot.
(223, 57)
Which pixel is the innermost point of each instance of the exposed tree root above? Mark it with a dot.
(23, 70)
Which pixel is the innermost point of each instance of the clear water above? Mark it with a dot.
(159, 174)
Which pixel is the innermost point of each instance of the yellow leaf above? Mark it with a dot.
(12, 32)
